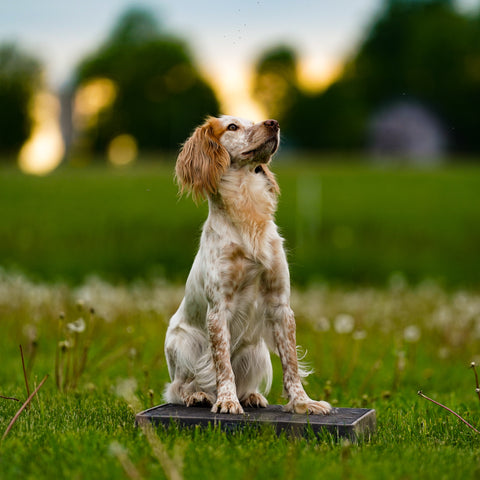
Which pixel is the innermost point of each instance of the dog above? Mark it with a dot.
(237, 297)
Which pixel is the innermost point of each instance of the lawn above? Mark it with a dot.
(371, 347)
(345, 224)
(386, 293)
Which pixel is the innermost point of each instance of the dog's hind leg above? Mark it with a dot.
(185, 351)
(253, 369)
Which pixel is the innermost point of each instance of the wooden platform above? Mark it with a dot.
(352, 423)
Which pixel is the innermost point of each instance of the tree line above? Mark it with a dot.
(424, 52)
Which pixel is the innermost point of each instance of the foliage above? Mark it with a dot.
(396, 341)
(426, 52)
(20, 78)
(160, 93)
(416, 52)
(342, 223)
(275, 84)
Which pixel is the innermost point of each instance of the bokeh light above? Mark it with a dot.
(122, 150)
(91, 98)
(44, 150)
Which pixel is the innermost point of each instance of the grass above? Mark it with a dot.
(385, 266)
(342, 223)
(373, 347)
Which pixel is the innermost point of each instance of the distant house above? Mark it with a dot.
(409, 131)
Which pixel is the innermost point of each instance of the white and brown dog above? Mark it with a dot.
(237, 296)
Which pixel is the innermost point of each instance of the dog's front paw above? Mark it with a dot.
(227, 405)
(308, 406)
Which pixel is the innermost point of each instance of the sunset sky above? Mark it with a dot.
(225, 37)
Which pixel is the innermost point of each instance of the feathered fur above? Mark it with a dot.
(236, 306)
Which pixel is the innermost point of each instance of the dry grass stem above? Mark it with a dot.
(24, 372)
(22, 408)
(9, 398)
(421, 394)
(122, 456)
(477, 387)
(172, 467)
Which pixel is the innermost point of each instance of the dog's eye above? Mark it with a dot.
(232, 127)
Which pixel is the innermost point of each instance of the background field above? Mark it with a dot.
(386, 293)
(346, 223)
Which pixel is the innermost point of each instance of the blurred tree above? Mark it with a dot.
(425, 51)
(275, 84)
(20, 78)
(416, 51)
(159, 93)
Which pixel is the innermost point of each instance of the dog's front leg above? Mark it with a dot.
(227, 401)
(285, 340)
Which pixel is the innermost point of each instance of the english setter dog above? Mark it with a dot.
(237, 296)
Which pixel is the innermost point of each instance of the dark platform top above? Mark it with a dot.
(352, 423)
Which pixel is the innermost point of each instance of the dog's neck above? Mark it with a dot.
(248, 201)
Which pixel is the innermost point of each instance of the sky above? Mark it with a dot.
(226, 37)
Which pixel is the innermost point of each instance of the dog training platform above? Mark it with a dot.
(352, 423)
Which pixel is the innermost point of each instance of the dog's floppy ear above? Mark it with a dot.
(201, 162)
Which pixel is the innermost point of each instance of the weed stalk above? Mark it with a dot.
(421, 394)
(22, 408)
(477, 389)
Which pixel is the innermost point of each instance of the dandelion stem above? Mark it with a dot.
(421, 394)
(477, 389)
(22, 408)
(24, 371)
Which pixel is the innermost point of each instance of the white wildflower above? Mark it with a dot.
(322, 324)
(64, 345)
(30, 331)
(78, 326)
(412, 334)
(359, 334)
(344, 323)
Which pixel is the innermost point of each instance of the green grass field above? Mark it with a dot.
(342, 223)
(386, 293)
(369, 347)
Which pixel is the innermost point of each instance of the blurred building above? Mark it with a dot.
(407, 130)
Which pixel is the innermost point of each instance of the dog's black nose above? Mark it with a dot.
(273, 124)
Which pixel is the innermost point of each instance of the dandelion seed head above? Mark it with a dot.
(30, 332)
(64, 345)
(322, 324)
(359, 335)
(412, 334)
(344, 323)
(78, 326)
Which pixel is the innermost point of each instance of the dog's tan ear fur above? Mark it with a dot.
(201, 162)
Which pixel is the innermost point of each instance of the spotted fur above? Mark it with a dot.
(237, 297)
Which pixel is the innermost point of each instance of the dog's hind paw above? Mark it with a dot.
(254, 400)
(199, 399)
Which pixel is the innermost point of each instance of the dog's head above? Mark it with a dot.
(220, 144)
